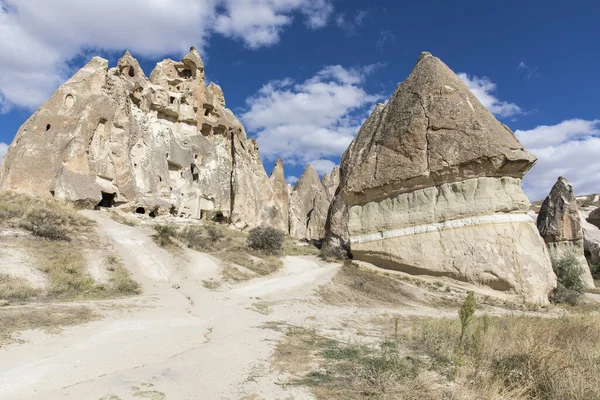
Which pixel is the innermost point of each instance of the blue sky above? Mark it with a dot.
(303, 74)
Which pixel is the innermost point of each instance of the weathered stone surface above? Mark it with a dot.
(166, 143)
(331, 182)
(281, 194)
(594, 217)
(308, 206)
(559, 224)
(431, 185)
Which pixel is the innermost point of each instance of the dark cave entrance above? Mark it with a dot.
(108, 200)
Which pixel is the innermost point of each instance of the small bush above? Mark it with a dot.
(266, 239)
(570, 288)
(164, 234)
(333, 253)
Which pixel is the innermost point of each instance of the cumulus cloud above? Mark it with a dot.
(570, 149)
(484, 89)
(40, 37)
(3, 149)
(323, 166)
(311, 120)
(260, 22)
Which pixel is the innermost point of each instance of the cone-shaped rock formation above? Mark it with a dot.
(431, 185)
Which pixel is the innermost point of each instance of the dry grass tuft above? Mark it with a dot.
(14, 288)
(354, 285)
(48, 318)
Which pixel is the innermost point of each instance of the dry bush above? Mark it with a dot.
(48, 318)
(208, 238)
(333, 253)
(120, 281)
(164, 234)
(570, 287)
(14, 288)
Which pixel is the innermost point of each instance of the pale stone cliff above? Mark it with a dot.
(431, 185)
(163, 144)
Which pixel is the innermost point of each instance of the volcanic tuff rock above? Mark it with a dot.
(164, 144)
(431, 185)
(559, 224)
(281, 195)
(309, 203)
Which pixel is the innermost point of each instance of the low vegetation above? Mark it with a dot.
(467, 358)
(570, 288)
(65, 267)
(44, 218)
(164, 234)
(122, 219)
(266, 239)
(332, 253)
(14, 288)
(49, 318)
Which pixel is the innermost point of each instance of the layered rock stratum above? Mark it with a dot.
(559, 224)
(431, 185)
(159, 145)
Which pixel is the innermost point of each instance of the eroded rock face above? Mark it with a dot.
(165, 143)
(309, 203)
(559, 224)
(431, 185)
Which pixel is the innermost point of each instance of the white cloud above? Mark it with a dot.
(323, 166)
(530, 72)
(384, 38)
(40, 37)
(568, 149)
(260, 22)
(3, 149)
(484, 89)
(350, 25)
(311, 120)
(291, 180)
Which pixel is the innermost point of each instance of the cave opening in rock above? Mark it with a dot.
(131, 72)
(219, 217)
(108, 200)
(153, 213)
(140, 210)
(48, 127)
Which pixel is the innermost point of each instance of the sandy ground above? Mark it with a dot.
(180, 340)
(185, 343)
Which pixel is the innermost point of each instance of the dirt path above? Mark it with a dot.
(186, 343)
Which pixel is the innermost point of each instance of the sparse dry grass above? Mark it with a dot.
(235, 274)
(353, 285)
(293, 247)
(49, 318)
(512, 357)
(211, 284)
(122, 219)
(46, 218)
(13, 288)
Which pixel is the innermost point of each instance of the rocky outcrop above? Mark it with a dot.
(331, 182)
(164, 144)
(431, 185)
(559, 224)
(281, 195)
(309, 203)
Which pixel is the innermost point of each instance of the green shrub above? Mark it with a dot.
(570, 287)
(266, 239)
(205, 238)
(465, 315)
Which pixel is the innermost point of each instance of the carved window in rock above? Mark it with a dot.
(69, 100)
